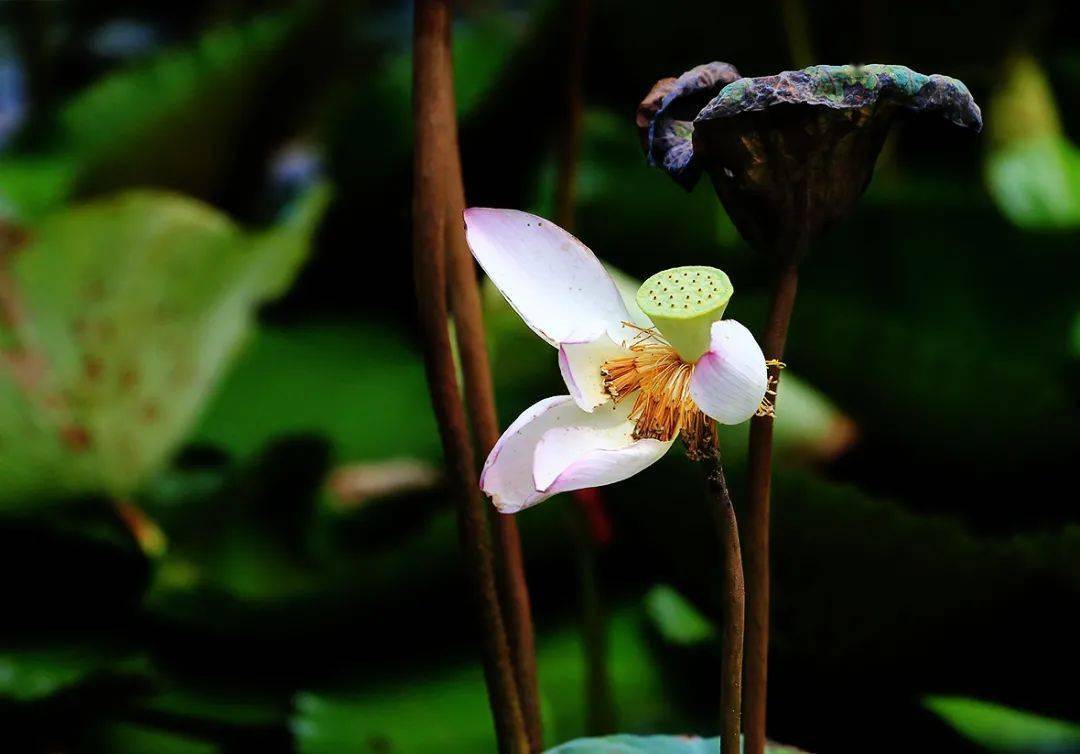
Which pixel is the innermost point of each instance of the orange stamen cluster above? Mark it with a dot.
(659, 380)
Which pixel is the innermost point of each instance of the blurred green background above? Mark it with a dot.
(223, 524)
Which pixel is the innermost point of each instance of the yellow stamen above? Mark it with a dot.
(659, 380)
(768, 403)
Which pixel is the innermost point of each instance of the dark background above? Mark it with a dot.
(272, 565)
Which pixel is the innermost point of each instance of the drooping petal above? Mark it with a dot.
(550, 278)
(580, 362)
(554, 447)
(729, 381)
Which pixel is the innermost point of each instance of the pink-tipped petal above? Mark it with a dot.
(554, 447)
(580, 363)
(592, 458)
(550, 278)
(729, 381)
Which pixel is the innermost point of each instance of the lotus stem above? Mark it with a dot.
(757, 522)
(433, 116)
(468, 315)
(734, 598)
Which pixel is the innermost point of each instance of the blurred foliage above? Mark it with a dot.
(1000, 728)
(119, 317)
(676, 619)
(30, 673)
(660, 224)
(448, 711)
(329, 364)
(1033, 169)
(182, 120)
(129, 738)
(480, 51)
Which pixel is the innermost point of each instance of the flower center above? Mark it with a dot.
(658, 380)
(684, 302)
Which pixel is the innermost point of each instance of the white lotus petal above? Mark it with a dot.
(550, 278)
(730, 379)
(554, 446)
(601, 461)
(580, 362)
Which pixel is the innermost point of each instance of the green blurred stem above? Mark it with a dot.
(569, 145)
(757, 522)
(433, 117)
(734, 598)
(797, 26)
(599, 707)
(480, 398)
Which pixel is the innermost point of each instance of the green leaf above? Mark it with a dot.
(31, 186)
(363, 389)
(1000, 728)
(624, 744)
(119, 318)
(35, 673)
(676, 619)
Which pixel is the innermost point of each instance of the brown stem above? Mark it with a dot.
(757, 523)
(731, 670)
(433, 116)
(480, 398)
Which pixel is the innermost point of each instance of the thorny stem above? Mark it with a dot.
(433, 116)
(480, 399)
(734, 604)
(757, 522)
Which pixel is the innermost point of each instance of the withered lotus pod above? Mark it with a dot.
(790, 154)
(665, 118)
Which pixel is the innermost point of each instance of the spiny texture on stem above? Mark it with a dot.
(731, 671)
(433, 114)
(757, 522)
(480, 399)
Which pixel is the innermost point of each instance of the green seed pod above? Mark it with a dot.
(683, 303)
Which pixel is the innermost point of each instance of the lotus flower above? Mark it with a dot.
(637, 376)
